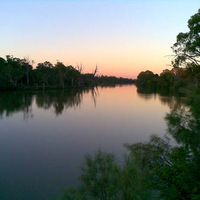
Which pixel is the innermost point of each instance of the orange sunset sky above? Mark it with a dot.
(122, 37)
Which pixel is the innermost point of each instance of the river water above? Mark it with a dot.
(44, 135)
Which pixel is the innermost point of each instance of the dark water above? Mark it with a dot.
(45, 135)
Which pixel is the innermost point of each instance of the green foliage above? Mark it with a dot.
(103, 179)
(12, 70)
(147, 80)
(166, 81)
(43, 73)
(99, 175)
(179, 177)
(134, 180)
(174, 81)
(174, 170)
(187, 46)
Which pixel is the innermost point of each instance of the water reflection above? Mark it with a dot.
(46, 152)
(14, 102)
(147, 96)
(59, 100)
(172, 102)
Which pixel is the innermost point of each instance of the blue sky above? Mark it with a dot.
(122, 37)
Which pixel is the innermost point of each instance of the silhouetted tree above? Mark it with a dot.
(2, 68)
(166, 81)
(27, 68)
(147, 81)
(103, 179)
(13, 70)
(46, 75)
(43, 73)
(187, 47)
(61, 73)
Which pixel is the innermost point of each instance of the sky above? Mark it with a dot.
(121, 37)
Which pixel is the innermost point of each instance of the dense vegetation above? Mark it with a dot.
(186, 64)
(16, 73)
(158, 169)
(174, 81)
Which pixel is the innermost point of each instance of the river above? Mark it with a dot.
(44, 135)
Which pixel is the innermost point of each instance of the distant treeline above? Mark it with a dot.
(176, 80)
(16, 73)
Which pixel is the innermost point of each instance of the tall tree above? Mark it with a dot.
(147, 81)
(61, 72)
(2, 68)
(166, 81)
(43, 73)
(27, 67)
(13, 70)
(72, 75)
(187, 47)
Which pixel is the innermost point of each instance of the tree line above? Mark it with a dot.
(174, 81)
(17, 73)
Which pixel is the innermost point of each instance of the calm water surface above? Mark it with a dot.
(45, 135)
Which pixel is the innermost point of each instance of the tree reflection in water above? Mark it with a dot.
(173, 102)
(13, 102)
(59, 100)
